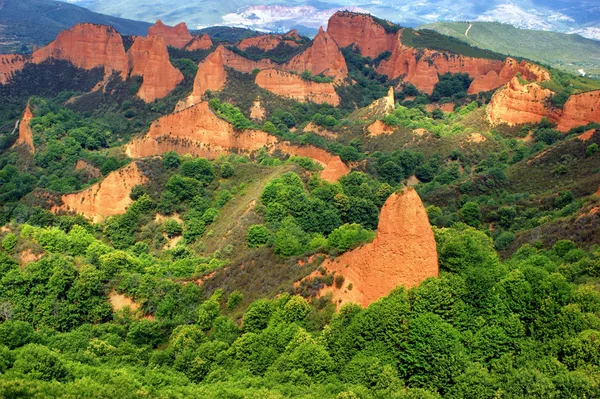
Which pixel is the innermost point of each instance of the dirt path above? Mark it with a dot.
(468, 29)
(16, 127)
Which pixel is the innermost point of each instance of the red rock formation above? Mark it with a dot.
(403, 253)
(270, 41)
(88, 169)
(25, 132)
(9, 63)
(370, 37)
(87, 46)
(200, 43)
(422, 67)
(323, 56)
(106, 198)
(379, 128)
(293, 86)
(211, 73)
(518, 103)
(257, 111)
(149, 58)
(580, 109)
(446, 107)
(197, 130)
(177, 36)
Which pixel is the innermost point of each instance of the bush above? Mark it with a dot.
(15, 333)
(258, 235)
(171, 160)
(227, 170)
(39, 362)
(349, 236)
(172, 228)
(591, 150)
(470, 214)
(235, 298)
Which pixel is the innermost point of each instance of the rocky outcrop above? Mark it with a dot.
(323, 56)
(422, 67)
(402, 253)
(200, 42)
(362, 30)
(269, 42)
(25, 132)
(149, 58)
(87, 169)
(446, 107)
(293, 86)
(177, 36)
(211, 73)
(257, 111)
(106, 198)
(580, 109)
(197, 130)
(379, 128)
(10, 63)
(518, 103)
(87, 46)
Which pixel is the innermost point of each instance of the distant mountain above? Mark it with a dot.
(569, 52)
(567, 16)
(25, 23)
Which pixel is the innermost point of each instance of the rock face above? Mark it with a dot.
(177, 36)
(87, 46)
(269, 42)
(580, 109)
(257, 111)
(197, 130)
(369, 36)
(9, 63)
(200, 43)
(379, 128)
(402, 253)
(25, 133)
(211, 73)
(106, 198)
(422, 67)
(323, 56)
(149, 58)
(519, 103)
(293, 86)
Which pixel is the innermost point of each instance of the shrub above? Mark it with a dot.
(172, 228)
(591, 150)
(41, 363)
(470, 214)
(349, 236)
(227, 170)
(235, 298)
(258, 235)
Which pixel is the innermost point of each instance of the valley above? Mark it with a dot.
(374, 212)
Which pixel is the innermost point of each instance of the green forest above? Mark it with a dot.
(200, 290)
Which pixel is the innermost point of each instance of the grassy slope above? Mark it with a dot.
(563, 51)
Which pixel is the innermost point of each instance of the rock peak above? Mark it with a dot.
(402, 253)
(177, 36)
(87, 46)
(148, 57)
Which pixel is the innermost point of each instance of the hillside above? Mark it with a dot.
(568, 52)
(374, 213)
(25, 23)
